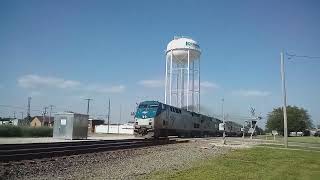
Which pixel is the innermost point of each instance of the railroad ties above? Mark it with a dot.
(17, 152)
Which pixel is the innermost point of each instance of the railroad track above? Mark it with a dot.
(17, 152)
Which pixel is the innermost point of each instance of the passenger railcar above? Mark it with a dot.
(154, 119)
(233, 129)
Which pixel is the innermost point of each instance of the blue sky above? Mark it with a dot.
(60, 52)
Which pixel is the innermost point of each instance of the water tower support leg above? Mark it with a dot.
(166, 83)
(193, 106)
(170, 84)
(199, 88)
(188, 83)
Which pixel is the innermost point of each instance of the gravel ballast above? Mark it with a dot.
(121, 164)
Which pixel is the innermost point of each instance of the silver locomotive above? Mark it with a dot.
(154, 119)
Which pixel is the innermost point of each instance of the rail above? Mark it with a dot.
(17, 152)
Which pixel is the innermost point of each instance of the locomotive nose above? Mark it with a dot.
(144, 122)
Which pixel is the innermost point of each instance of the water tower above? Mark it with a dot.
(182, 81)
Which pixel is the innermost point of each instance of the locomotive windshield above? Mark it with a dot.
(147, 109)
(148, 106)
(143, 106)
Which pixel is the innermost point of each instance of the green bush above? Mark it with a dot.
(10, 131)
(16, 131)
(37, 132)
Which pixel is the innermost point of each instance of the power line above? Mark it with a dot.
(290, 56)
(17, 107)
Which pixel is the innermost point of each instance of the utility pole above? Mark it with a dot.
(14, 114)
(88, 105)
(22, 122)
(120, 113)
(253, 114)
(51, 106)
(284, 93)
(44, 114)
(120, 119)
(108, 115)
(243, 129)
(28, 112)
(224, 124)
(29, 102)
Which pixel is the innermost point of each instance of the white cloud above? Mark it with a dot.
(105, 89)
(207, 84)
(248, 93)
(151, 83)
(35, 93)
(154, 83)
(35, 81)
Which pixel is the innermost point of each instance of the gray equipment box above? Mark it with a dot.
(70, 126)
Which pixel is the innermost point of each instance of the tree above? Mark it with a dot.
(298, 119)
(259, 131)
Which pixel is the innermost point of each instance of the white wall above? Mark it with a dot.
(15, 122)
(115, 129)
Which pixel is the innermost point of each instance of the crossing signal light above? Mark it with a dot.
(254, 122)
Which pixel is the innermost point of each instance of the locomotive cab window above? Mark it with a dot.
(154, 106)
(143, 106)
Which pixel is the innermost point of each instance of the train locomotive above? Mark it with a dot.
(154, 119)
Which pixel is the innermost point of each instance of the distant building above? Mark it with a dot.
(5, 121)
(39, 121)
(92, 124)
(16, 122)
(115, 128)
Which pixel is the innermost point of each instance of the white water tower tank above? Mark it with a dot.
(182, 80)
(179, 48)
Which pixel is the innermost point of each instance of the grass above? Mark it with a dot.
(305, 139)
(255, 163)
(20, 131)
(302, 147)
(299, 139)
